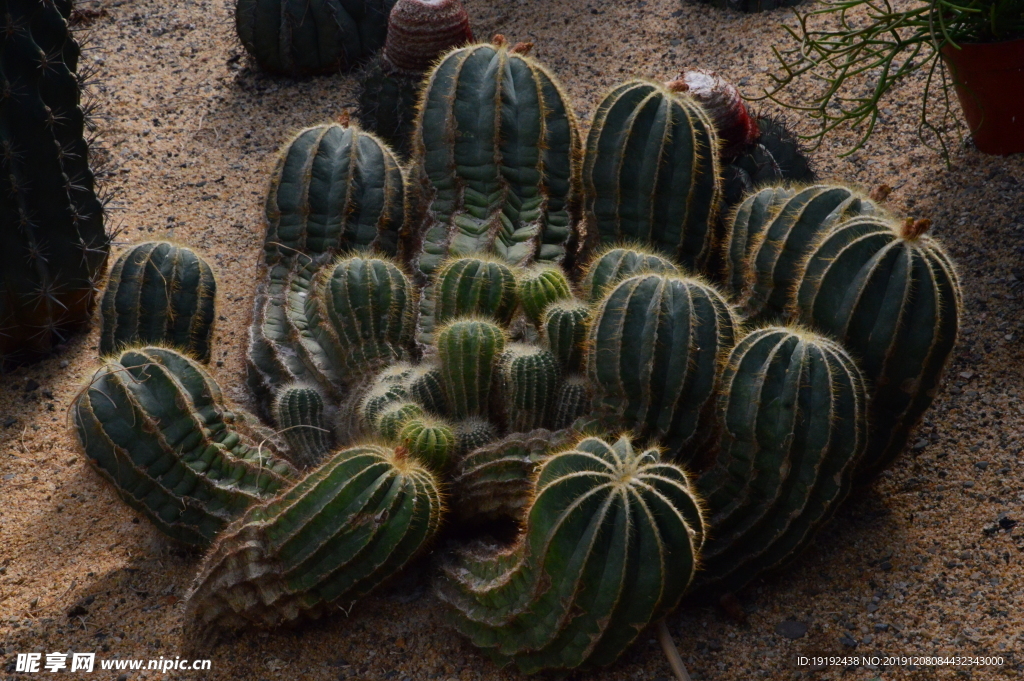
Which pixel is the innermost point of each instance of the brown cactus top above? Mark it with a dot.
(420, 31)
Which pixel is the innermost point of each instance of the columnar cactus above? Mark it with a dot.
(154, 424)
(468, 350)
(477, 284)
(889, 292)
(793, 411)
(335, 188)
(614, 263)
(652, 355)
(528, 379)
(327, 541)
(564, 332)
(161, 293)
(299, 412)
(651, 171)
(431, 441)
(742, 236)
(495, 155)
(539, 286)
(51, 222)
(306, 37)
(610, 543)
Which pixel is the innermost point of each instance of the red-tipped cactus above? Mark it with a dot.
(737, 129)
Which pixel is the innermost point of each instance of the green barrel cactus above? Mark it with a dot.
(474, 285)
(783, 244)
(651, 172)
(335, 188)
(300, 414)
(889, 293)
(378, 399)
(154, 424)
(652, 357)
(742, 236)
(468, 350)
(495, 156)
(528, 378)
(425, 385)
(540, 286)
(776, 156)
(473, 432)
(342, 530)
(564, 332)
(793, 411)
(572, 400)
(609, 545)
(395, 415)
(611, 264)
(307, 37)
(161, 293)
(51, 222)
(431, 441)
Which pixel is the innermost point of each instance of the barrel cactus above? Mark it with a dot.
(472, 285)
(889, 292)
(564, 332)
(301, 415)
(473, 432)
(540, 286)
(154, 424)
(651, 171)
(578, 587)
(276, 564)
(308, 37)
(614, 263)
(161, 293)
(51, 222)
(395, 416)
(793, 411)
(528, 377)
(431, 441)
(469, 350)
(743, 234)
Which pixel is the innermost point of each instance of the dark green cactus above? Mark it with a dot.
(53, 243)
(651, 171)
(474, 432)
(775, 157)
(889, 293)
(652, 356)
(793, 412)
(154, 424)
(335, 188)
(381, 396)
(540, 286)
(564, 331)
(507, 184)
(432, 441)
(478, 284)
(781, 247)
(572, 400)
(743, 232)
(160, 293)
(468, 350)
(327, 541)
(299, 412)
(425, 385)
(529, 379)
(610, 544)
(307, 37)
(395, 415)
(614, 263)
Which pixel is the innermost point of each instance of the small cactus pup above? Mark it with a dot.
(495, 157)
(419, 33)
(300, 413)
(564, 332)
(472, 285)
(430, 440)
(653, 354)
(51, 221)
(308, 37)
(154, 424)
(792, 407)
(540, 286)
(160, 293)
(742, 235)
(529, 377)
(889, 292)
(614, 263)
(473, 432)
(610, 542)
(395, 416)
(469, 350)
(779, 249)
(651, 171)
(332, 538)
(572, 401)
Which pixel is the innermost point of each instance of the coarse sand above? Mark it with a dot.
(906, 568)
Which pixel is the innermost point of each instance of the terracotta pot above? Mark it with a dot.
(989, 81)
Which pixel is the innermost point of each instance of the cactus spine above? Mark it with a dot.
(651, 171)
(159, 293)
(793, 411)
(653, 351)
(890, 293)
(564, 331)
(469, 350)
(330, 539)
(51, 222)
(540, 286)
(529, 379)
(299, 413)
(154, 424)
(614, 263)
(609, 545)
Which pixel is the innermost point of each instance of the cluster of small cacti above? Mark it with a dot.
(475, 354)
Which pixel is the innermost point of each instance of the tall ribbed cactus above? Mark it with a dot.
(528, 379)
(299, 412)
(495, 155)
(651, 171)
(154, 424)
(54, 246)
(610, 543)
(890, 293)
(540, 286)
(478, 284)
(305, 37)
(652, 355)
(330, 539)
(468, 350)
(781, 247)
(564, 331)
(793, 413)
(335, 188)
(742, 234)
(572, 401)
(611, 264)
(162, 293)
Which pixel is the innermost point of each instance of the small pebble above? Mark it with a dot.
(848, 641)
(982, 465)
(790, 629)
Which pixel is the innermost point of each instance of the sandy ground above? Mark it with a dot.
(906, 569)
